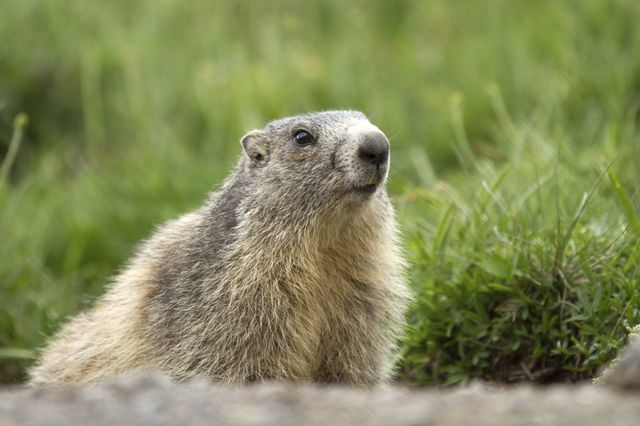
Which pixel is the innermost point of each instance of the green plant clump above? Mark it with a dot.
(527, 270)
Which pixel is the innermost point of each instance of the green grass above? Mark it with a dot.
(514, 126)
(527, 270)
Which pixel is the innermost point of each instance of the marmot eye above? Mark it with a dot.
(302, 137)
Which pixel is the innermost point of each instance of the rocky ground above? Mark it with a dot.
(154, 400)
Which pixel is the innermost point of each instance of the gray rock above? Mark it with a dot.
(626, 373)
(154, 400)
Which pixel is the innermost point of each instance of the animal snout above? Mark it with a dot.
(374, 149)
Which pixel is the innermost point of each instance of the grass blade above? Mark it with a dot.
(19, 124)
(625, 202)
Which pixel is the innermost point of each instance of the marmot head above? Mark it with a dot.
(327, 158)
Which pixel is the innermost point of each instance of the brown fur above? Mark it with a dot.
(285, 273)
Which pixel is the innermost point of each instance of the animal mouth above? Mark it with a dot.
(366, 189)
(370, 187)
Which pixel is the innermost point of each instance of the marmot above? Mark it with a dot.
(290, 271)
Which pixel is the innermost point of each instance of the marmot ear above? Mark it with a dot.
(256, 146)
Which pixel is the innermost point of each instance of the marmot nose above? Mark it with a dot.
(374, 149)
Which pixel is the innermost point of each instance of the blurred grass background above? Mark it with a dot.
(514, 126)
